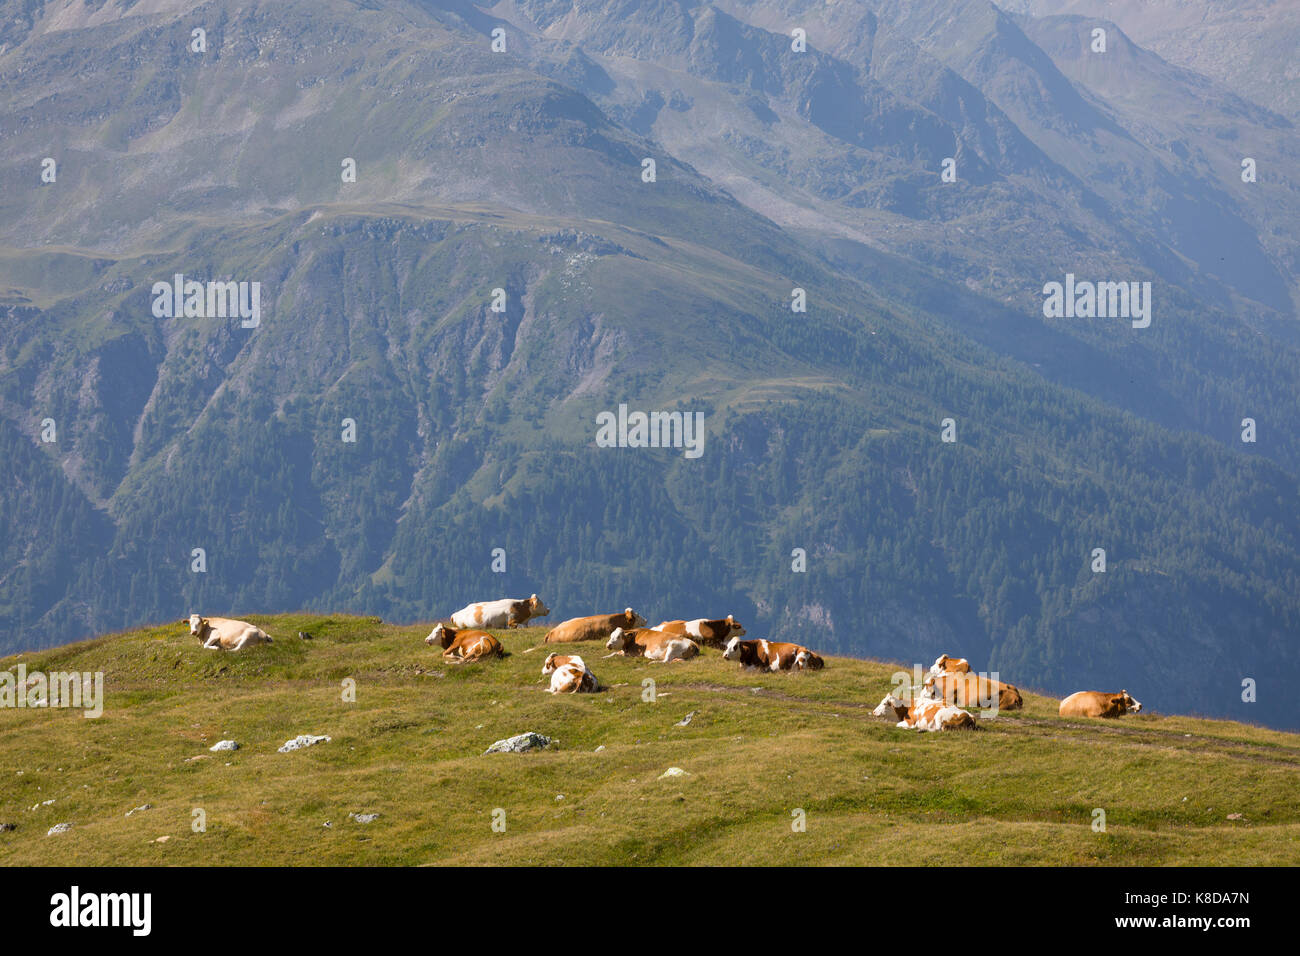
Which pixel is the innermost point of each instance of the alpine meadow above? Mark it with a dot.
(890, 328)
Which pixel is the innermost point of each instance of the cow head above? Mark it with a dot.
(634, 619)
(806, 660)
(736, 630)
(440, 635)
(620, 639)
(891, 706)
(548, 667)
(943, 663)
(732, 650)
(197, 626)
(1127, 703)
(930, 690)
(536, 608)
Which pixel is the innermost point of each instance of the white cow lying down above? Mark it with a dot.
(569, 675)
(223, 634)
(925, 714)
(505, 613)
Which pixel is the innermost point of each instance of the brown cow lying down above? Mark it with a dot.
(972, 690)
(923, 714)
(652, 645)
(952, 665)
(464, 644)
(224, 634)
(771, 655)
(597, 628)
(569, 675)
(705, 631)
(1094, 703)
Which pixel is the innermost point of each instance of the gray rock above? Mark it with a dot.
(673, 772)
(146, 806)
(687, 719)
(363, 817)
(224, 745)
(58, 828)
(520, 743)
(301, 741)
(8, 827)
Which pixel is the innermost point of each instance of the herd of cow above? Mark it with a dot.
(625, 634)
(940, 703)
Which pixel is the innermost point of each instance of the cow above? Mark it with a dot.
(892, 706)
(806, 660)
(596, 628)
(931, 715)
(766, 655)
(972, 690)
(464, 644)
(924, 714)
(705, 631)
(1095, 703)
(224, 634)
(569, 675)
(952, 665)
(502, 614)
(749, 653)
(652, 645)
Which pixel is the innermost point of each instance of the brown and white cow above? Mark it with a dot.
(925, 715)
(464, 644)
(972, 690)
(766, 655)
(225, 634)
(569, 675)
(652, 645)
(505, 613)
(596, 628)
(807, 660)
(952, 665)
(932, 715)
(711, 632)
(1095, 703)
(749, 653)
(892, 706)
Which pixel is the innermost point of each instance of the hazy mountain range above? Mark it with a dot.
(775, 170)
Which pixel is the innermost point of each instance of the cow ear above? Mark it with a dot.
(533, 598)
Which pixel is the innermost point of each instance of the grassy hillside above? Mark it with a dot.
(1022, 790)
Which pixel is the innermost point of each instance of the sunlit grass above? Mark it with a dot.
(757, 749)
